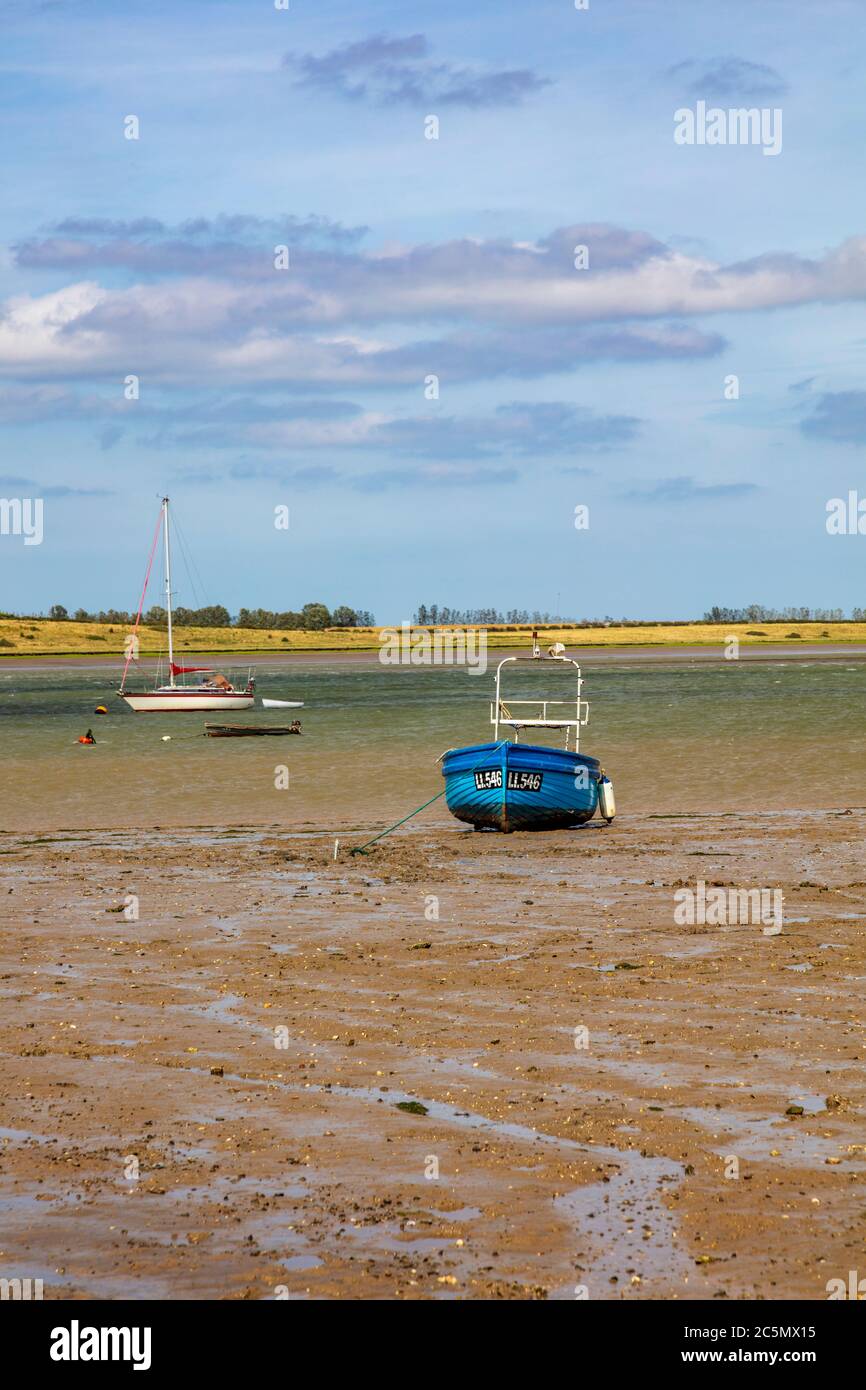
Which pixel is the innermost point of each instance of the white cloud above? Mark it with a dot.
(504, 305)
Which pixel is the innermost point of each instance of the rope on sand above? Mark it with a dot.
(362, 849)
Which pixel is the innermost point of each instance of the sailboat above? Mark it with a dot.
(215, 693)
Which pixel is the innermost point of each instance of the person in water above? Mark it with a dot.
(88, 737)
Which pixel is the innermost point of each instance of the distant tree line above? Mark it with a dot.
(312, 617)
(434, 616)
(316, 616)
(757, 613)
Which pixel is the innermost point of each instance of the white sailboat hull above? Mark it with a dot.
(161, 701)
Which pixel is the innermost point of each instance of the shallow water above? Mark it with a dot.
(677, 738)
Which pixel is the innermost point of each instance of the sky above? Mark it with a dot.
(285, 291)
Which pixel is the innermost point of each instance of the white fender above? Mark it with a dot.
(606, 799)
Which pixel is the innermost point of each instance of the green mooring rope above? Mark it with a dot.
(362, 849)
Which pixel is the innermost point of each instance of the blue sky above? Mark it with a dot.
(454, 257)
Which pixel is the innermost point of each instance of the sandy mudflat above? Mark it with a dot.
(598, 655)
(263, 1167)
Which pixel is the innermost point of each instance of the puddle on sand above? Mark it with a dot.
(214, 1190)
(622, 1208)
(229, 927)
(276, 1233)
(426, 1237)
(24, 1204)
(499, 960)
(221, 1010)
(460, 1214)
(397, 1238)
(23, 1136)
(701, 947)
(631, 1228)
(301, 1262)
(750, 1137)
(456, 1067)
(625, 1231)
(57, 1285)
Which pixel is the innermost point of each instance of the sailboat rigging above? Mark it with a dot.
(212, 694)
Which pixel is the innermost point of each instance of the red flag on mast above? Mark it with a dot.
(185, 670)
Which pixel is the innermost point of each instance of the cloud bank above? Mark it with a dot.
(727, 79)
(401, 71)
(204, 300)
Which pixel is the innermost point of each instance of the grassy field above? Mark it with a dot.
(39, 637)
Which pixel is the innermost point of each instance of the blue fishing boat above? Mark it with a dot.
(507, 785)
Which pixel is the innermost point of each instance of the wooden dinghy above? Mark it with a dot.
(250, 730)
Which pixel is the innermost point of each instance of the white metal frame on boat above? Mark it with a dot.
(501, 713)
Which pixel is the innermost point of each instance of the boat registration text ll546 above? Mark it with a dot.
(491, 779)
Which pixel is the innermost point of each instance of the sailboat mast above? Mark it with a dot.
(168, 589)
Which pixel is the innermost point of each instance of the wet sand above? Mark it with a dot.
(290, 1170)
(587, 655)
